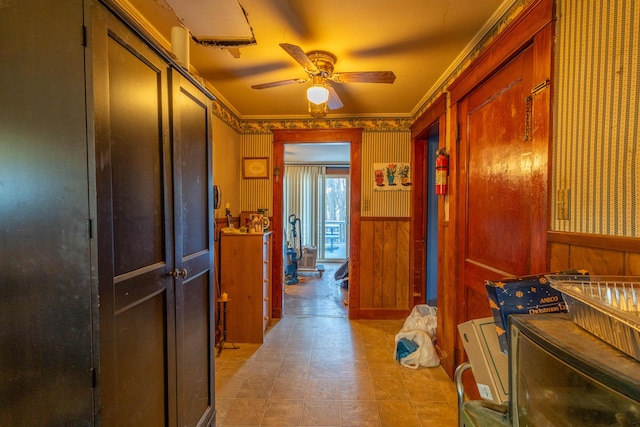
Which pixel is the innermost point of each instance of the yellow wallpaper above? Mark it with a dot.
(596, 107)
(597, 103)
(376, 147)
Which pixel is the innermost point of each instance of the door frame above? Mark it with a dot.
(435, 115)
(291, 136)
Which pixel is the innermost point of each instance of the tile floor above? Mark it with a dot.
(329, 371)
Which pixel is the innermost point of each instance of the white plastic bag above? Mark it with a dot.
(420, 327)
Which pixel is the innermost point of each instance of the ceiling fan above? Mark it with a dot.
(319, 66)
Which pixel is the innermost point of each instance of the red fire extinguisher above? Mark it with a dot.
(442, 171)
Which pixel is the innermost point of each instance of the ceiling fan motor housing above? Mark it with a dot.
(324, 62)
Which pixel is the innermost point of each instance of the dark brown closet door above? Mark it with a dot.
(135, 228)
(194, 254)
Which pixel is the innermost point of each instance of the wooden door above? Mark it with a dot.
(135, 227)
(496, 219)
(155, 213)
(194, 254)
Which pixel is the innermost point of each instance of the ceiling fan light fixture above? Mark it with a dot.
(317, 110)
(318, 94)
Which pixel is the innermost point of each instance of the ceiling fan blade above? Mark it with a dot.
(298, 54)
(364, 77)
(334, 101)
(278, 83)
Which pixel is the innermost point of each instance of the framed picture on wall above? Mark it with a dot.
(255, 167)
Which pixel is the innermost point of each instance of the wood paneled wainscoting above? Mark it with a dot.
(384, 268)
(599, 254)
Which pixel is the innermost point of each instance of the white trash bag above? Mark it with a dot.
(414, 343)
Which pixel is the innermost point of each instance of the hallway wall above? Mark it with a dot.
(597, 103)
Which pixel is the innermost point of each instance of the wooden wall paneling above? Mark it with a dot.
(366, 264)
(378, 266)
(632, 264)
(597, 261)
(390, 247)
(403, 285)
(384, 265)
(599, 254)
(558, 256)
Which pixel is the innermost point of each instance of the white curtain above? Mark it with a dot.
(302, 192)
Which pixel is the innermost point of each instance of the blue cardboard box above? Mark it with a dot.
(523, 295)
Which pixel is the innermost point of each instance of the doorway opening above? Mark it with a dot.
(316, 233)
(431, 209)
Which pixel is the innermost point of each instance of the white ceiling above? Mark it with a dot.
(334, 153)
(418, 40)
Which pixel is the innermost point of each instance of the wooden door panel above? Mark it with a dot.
(137, 159)
(196, 377)
(499, 176)
(194, 286)
(135, 226)
(141, 362)
(497, 183)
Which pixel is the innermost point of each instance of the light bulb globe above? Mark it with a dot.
(318, 94)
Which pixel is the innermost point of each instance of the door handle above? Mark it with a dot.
(175, 273)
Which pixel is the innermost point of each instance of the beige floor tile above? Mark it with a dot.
(359, 388)
(222, 408)
(321, 413)
(394, 413)
(294, 369)
(302, 354)
(228, 387)
(389, 370)
(329, 371)
(245, 412)
(271, 353)
(289, 388)
(318, 389)
(437, 414)
(338, 368)
(264, 369)
(282, 412)
(358, 413)
(256, 388)
(390, 389)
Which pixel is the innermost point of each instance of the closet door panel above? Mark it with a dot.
(137, 159)
(197, 346)
(194, 287)
(141, 234)
(135, 226)
(142, 381)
